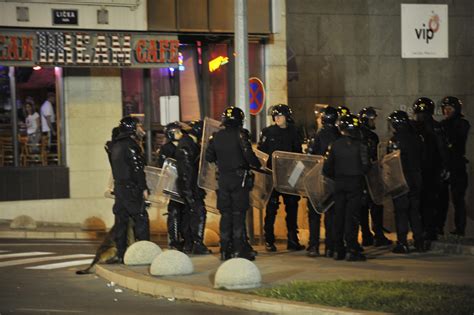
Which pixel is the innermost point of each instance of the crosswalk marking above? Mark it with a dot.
(13, 255)
(41, 259)
(62, 265)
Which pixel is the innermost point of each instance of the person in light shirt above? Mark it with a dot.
(33, 126)
(48, 117)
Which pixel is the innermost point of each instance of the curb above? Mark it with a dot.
(158, 287)
(50, 235)
(454, 249)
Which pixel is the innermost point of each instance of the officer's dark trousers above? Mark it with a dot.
(407, 210)
(457, 184)
(429, 201)
(194, 223)
(174, 223)
(232, 202)
(291, 208)
(315, 227)
(129, 203)
(376, 213)
(347, 196)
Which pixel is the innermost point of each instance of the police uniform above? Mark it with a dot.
(371, 140)
(274, 138)
(231, 150)
(194, 219)
(407, 213)
(319, 145)
(175, 209)
(433, 165)
(346, 163)
(456, 129)
(128, 163)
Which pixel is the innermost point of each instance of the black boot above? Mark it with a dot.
(355, 255)
(313, 251)
(198, 245)
(293, 242)
(401, 248)
(174, 241)
(270, 247)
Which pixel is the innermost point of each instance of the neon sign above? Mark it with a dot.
(216, 63)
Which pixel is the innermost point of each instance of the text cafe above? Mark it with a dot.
(67, 48)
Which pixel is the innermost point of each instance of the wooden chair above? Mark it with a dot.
(7, 156)
(35, 153)
(51, 152)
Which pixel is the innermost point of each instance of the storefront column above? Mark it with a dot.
(275, 63)
(93, 99)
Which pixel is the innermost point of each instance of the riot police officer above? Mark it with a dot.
(327, 133)
(130, 188)
(281, 136)
(407, 213)
(173, 134)
(433, 168)
(231, 150)
(343, 110)
(367, 118)
(194, 219)
(346, 163)
(456, 129)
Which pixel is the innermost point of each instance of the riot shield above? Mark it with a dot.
(207, 171)
(319, 188)
(152, 181)
(290, 169)
(382, 149)
(393, 178)
(166, 186)
(374, 182)
(262, 157)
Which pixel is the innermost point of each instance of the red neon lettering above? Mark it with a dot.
(27, 48)
(2, 42)
(164, 46)
(152, 53)
(13, 48)
(139, 53)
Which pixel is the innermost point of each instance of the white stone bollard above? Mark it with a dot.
(237, 273)
(171, 263)
(141, 253)
(23, 222)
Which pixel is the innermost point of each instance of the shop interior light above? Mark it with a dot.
(37, 68)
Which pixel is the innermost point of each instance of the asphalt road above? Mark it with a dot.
(38, 277)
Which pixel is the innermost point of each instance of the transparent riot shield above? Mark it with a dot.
(166, 186)
(382, 149)
(207, 171)
(290, 169)
(262, 157)
(374, 182)
(319, 188)
(152, 181)
(393, 178)
(261, 191)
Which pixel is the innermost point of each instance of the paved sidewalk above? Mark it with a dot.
(283, 267)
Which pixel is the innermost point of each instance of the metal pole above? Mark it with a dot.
(14, 119)
(241, 59)
(59, 74)
(147, 110)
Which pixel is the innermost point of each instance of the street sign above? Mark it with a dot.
(257, 95)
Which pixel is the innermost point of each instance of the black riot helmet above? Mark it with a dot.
(129, 125)
(343, 111)
(233, 116)
(454, 102)
(366, 115)
(282, 109)
(423, 105)
(196, 128)
(349, 125)
(170, 130)
(398, 120)
(328, 116)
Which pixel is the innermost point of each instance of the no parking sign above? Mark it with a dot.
(256, 95)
